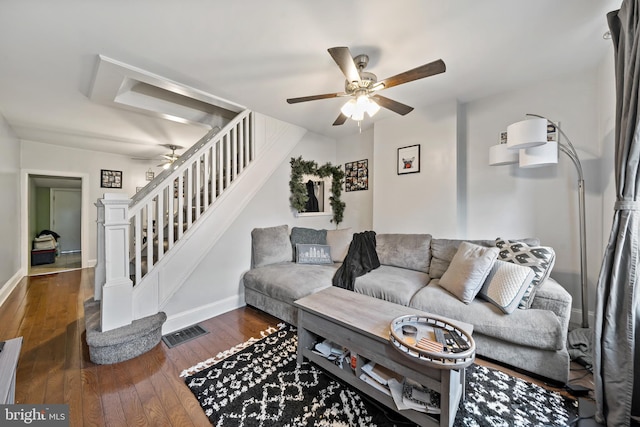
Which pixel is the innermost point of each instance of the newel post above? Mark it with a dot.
(116, 307)
(99, 272)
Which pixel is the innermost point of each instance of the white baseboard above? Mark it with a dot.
(576, 317)
(9, 286)
(191, 317)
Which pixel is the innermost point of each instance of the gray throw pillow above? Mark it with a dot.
(270, 245)
(306, 236)
(468, 269)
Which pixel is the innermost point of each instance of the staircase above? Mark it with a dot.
(146, 244)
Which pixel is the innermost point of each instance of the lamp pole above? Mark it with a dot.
(570, 151)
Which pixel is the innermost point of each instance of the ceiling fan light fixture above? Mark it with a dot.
(372, 107)
(349, 107)
(356, 107)
(357, 115)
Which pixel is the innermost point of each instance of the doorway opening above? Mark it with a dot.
(54, 230)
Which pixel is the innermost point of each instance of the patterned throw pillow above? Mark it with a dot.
(307, 236)
(539, 258)
(506, 284)
(313, 254)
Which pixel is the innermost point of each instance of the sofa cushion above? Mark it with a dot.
(270, 245)
(392, 284)
(411, 251)
(339, 240)
(468, 269)
(539, 258)
(309, 236)
(534, 328)
(506, 284)
(443, 250)
(289, 281)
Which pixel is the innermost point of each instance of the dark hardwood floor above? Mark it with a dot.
(54, 366)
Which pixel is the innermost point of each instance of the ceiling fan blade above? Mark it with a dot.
(340, 120)
(426, 70)
(390, 104)
(314, 97)
(343, 58)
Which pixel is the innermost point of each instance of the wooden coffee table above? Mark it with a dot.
(361, 324)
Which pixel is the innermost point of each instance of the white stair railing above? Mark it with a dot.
(161, 213)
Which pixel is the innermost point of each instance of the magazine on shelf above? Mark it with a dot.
(331, 351)
(374, 383)
(379, 373)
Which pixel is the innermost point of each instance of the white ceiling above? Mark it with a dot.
(258, 53)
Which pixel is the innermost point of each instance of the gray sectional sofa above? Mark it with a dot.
(412, 266)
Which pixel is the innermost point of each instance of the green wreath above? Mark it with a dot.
(298, 189)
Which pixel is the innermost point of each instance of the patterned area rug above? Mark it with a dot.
(259, 384)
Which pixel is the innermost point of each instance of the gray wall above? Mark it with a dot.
(10, 207)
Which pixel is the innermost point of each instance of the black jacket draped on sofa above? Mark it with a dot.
(361, 259)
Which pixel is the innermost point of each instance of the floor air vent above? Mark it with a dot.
(183, 335)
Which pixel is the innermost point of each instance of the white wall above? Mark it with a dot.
(458, 195)
(511, 202)
(424, 202)
(606, 104)
(218, 276)
(9, 208)
(358, 213)
(47, 157)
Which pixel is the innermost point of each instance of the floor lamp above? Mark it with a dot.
(527, 144)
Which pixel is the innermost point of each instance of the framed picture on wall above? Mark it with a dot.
(356, 175)
(110, 179)
(409, 159)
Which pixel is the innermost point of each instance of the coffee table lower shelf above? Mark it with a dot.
(348, 376)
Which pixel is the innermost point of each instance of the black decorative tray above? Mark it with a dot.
(415, 336)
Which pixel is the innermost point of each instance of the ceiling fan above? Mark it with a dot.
(363, 86)
(171, 157)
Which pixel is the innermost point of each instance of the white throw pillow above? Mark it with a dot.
(467, 271)
(506, 285)
(339, 240)
(539, 258)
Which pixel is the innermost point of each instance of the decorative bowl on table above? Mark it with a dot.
(432, 340)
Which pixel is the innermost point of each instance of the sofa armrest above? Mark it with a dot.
(553, 297)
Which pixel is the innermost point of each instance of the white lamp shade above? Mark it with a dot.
(349, 107)
(527, 133)
(372, 107)
(501, 155)
(541, 155)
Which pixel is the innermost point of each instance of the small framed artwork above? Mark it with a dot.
(409, 159)
(356, 175)
(110, 179)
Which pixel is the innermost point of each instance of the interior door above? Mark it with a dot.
(66, 206)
